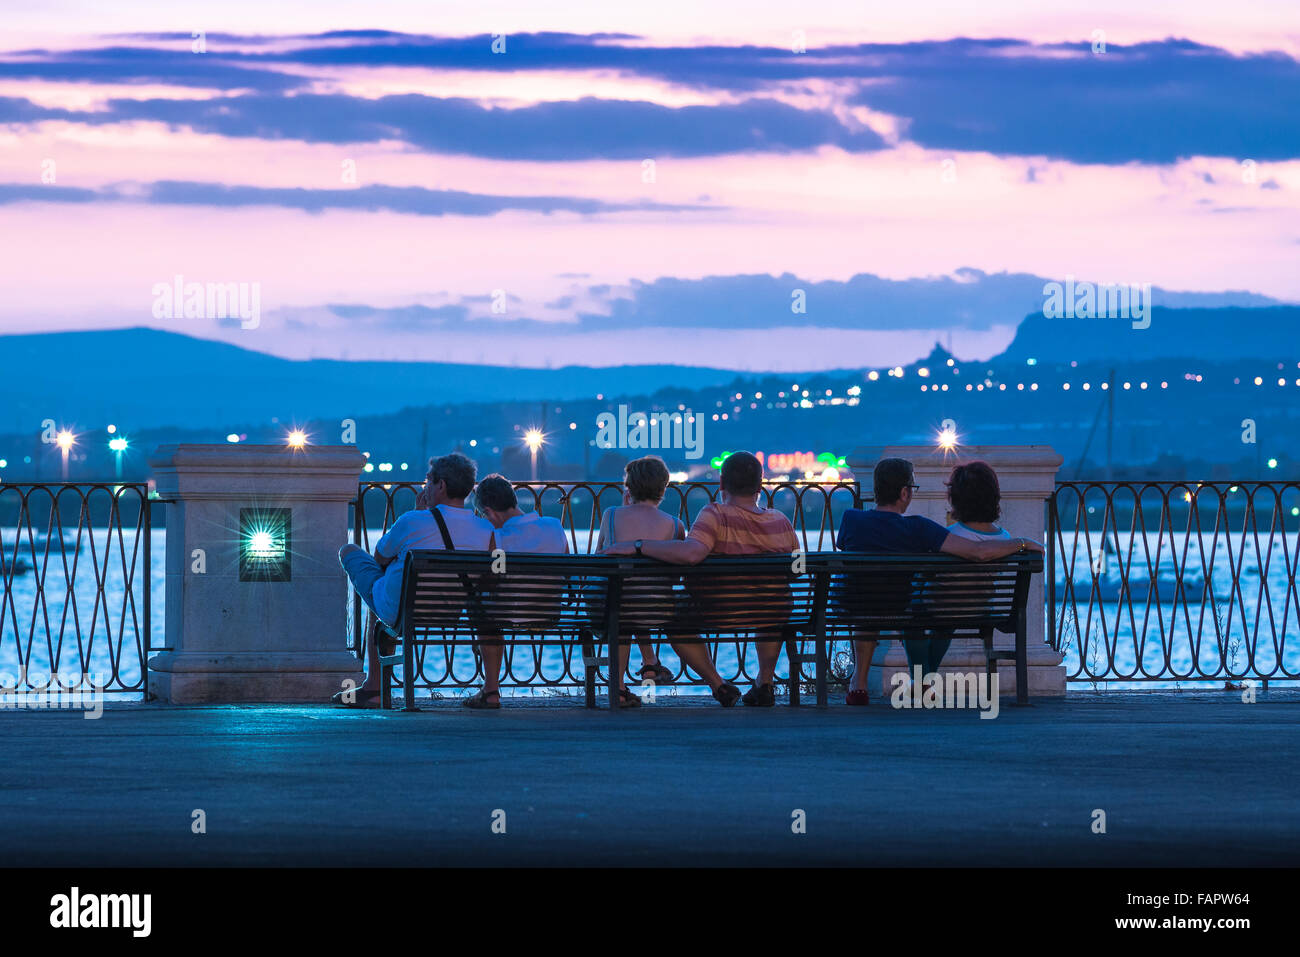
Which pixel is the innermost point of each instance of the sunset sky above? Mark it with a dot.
(919, 170)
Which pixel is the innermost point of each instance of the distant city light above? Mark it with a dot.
(1033, 387)
(111, 428)
(232, 437)
(923, 372)
(473, 443)
(1031, 362)
(952, 362)
(1272, 463)
(572, 426)
(873, 375)
(297, 439)
(855, 390)
(118, 444)
(1128, 385)
(1259, 380)
(65, 440)
(1164, 385)
(1142, 385)
(678, 476)
(1065, 386)
(403, 466)
(947, 440)
(4, 463)
(1087, 386)
(369, 467)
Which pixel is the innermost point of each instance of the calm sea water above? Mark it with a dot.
(76, 630)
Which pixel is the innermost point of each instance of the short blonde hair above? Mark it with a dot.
(646, 479)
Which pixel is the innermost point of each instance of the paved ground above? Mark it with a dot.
(1184, 779)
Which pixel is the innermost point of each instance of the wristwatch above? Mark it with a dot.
(1020, 544)
(638, 546)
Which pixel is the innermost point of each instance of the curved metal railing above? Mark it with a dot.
(76, 588)
(1175, 581)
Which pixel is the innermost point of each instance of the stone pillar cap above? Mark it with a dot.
(242, 457)
(929, 457)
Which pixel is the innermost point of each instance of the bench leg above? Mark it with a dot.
(614, 675)
(820, 650)
(1022, 662)
(589, 672)
(408, 674)
(990, 658)
(796, 669)
(386, 687)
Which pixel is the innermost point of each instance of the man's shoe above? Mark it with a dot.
(727, 694)
(858, 697)
(760, 696)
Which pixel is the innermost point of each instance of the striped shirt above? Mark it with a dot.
(732, 530)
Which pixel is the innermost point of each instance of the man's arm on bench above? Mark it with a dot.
(986, 551)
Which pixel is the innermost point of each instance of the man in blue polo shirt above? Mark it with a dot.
(886, 528)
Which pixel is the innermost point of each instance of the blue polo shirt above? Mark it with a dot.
(873, 530)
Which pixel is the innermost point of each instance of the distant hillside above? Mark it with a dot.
(1217, 334)
(149, 378)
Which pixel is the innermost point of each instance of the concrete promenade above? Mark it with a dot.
(1196, 778)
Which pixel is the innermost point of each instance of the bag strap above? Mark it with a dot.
(447, 543)
(475, 605)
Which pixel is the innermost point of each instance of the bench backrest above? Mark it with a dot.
(568, 594)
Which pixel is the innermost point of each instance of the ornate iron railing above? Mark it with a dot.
(813, 507)
(1175, 581)
(76, 586)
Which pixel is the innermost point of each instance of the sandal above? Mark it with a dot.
(360, 698)
(479, 701)
(657, 673)
(628, 699)
(727, 694)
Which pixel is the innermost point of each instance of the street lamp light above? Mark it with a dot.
(534, 439)
(297, 439)
(65, 441)
(118, 445)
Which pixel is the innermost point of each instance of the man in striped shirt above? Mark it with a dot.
(734, 525)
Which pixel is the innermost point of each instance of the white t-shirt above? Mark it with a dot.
(963, 531)
(419, 529)
(534, 534)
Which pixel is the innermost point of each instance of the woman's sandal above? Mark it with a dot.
(479, 701)
(657, 673)
(356, 698)
(628, 699)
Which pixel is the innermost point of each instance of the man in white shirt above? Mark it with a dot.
(520, 532)
(378, 578)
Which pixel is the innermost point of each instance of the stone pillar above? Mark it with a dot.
(1027, 477)
(242, 626)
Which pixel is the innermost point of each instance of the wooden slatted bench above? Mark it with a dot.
(594, 600)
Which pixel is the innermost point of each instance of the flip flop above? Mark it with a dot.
(360, 699)
(627, 699)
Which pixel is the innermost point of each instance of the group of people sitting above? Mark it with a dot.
(735, 524)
